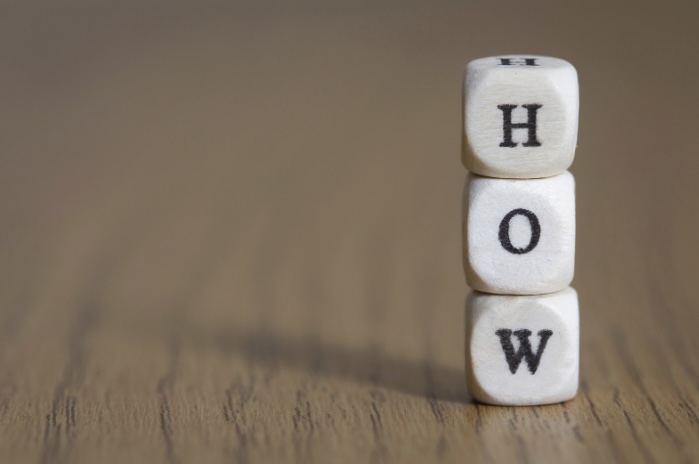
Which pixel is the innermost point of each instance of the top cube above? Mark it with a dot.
(520, 116)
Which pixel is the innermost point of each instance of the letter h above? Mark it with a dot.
(530, 125)
(518, 62)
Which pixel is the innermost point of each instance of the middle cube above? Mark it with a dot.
(519, 235)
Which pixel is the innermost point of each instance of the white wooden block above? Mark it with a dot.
(520, 116)
(519, 235)
(522, 350)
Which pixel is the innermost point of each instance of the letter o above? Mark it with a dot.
(504, 233)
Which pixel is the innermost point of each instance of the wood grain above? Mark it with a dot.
(232, 235)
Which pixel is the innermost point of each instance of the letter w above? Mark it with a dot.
(525, 349)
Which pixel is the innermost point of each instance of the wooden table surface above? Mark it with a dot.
(233, 235)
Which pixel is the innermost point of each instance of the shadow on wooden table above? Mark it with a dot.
(368, 366)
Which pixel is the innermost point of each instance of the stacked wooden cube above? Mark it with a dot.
(522, 324)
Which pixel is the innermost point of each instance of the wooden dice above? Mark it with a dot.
(520, 130)
(522, 350)
(520, 234)
(520, 116)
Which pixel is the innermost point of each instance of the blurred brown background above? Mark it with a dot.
(232, 233)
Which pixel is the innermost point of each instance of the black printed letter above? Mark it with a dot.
(525, 349)
(504, 232)
(530, 125)
(518, 62)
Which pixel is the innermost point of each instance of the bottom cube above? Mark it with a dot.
(522, 350)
